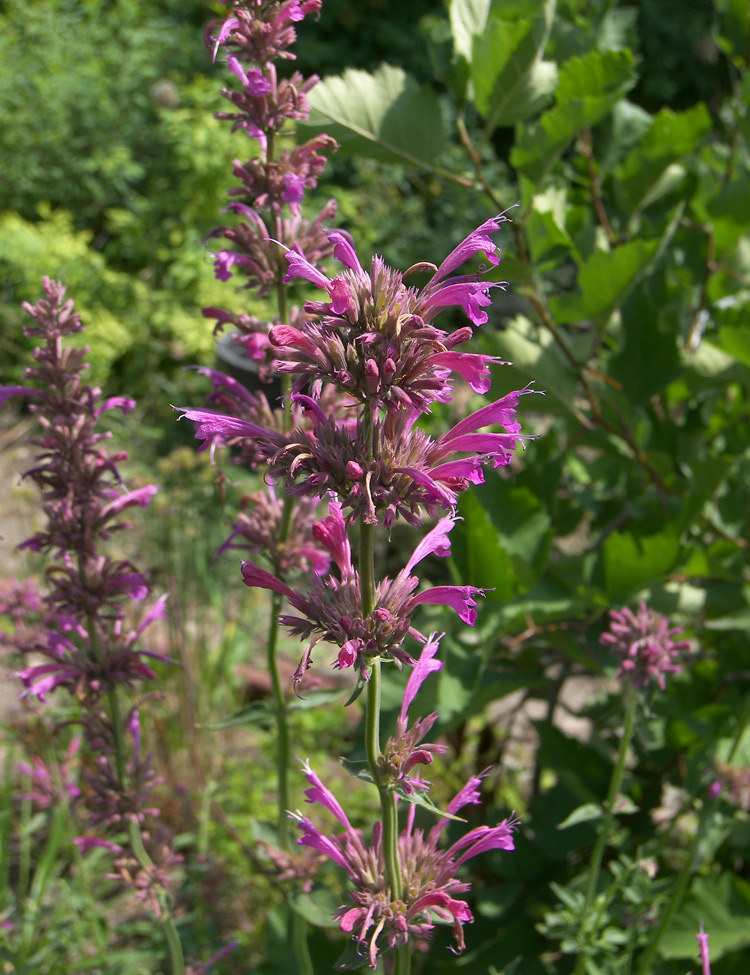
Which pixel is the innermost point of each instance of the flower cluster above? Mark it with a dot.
(645, 645)
(82, 642)
(332, 608)
(432, 889)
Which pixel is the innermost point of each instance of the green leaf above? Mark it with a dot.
(468, 19)
(317, 908)
(588, 88)
(359, 770)
(423, 800)
(546, 224)
(736, 341)
(649, 358)
(535, 355)
(630, 561)
(723, 907)
(510, 80)
(583, 814)
(672, 136)
(257, 713)
(522, 520)
(604, 281)
(608, 277)
(478, 551)
(359, 687)
(385, 115)
(730, 213)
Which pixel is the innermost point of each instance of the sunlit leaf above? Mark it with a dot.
(510, 80)
(385, 115)
(588, 87)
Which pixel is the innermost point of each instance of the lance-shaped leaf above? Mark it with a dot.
(511, 81)
(468, 19)
(385, 115)
(672, 136)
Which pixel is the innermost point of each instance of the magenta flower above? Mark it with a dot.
(72, 662)
(260, 33)
(644, 643)
(405, 749)
(253, 254)
(257, 528)
(378, 922)
(331, 609)
(703, 947)
(53, 787)
(374, 337)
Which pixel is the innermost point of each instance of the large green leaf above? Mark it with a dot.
(478, 550)
(631, 561)
(385, 115)
(672, 136)
(649, 358)
(468, 19)
(588, 88)
(510, 80)
(722, 906)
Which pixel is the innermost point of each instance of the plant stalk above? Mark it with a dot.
(609, 816)
(389, 811)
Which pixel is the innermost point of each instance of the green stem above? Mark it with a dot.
(609, 816)
(301, 948)
(389, 811)
(282, 728)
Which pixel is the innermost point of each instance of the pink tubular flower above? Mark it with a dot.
(378, 921)
(644, 643)
(331, 609)
(703, 943)
(375, 338)
(405, 749)
(253, 254)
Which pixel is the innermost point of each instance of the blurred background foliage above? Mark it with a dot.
(622, 132)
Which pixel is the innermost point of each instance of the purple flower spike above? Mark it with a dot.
(374, 337)
(331, 609)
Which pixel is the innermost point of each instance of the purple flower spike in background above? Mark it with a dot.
(644, 642)
(83, 639)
